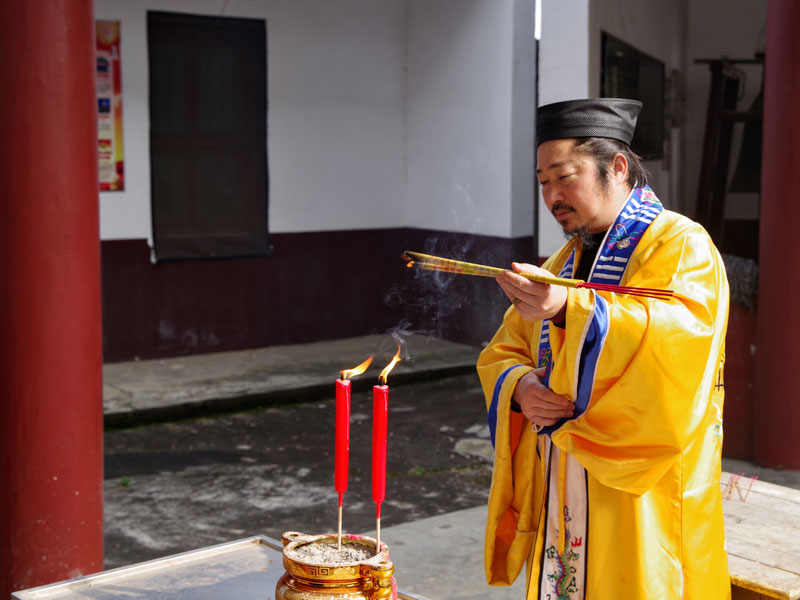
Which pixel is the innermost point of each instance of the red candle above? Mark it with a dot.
(342, 436)
(342, 452)
(380, 417)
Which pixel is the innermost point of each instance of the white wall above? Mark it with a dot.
(335, 123)
(570, 68)
(564, 51)
(126, 214)
(563, 75)
(459, 115)
(381, 114)
(523, 119)
(657, 29)
(335, 115)
(412, 112)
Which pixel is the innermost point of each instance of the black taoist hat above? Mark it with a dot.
(613, 118)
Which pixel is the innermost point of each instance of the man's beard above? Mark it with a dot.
(587, 239)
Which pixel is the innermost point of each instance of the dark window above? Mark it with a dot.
(208, 130)
(628, 73)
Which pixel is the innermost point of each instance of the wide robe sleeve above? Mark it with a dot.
(510, 525)
(516, 493)
(650, 364)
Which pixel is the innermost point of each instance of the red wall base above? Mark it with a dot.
(315, 286)
(739, 374)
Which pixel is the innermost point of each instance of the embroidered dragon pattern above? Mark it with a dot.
(563, 578)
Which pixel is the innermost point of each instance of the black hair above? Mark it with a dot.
(602, 150)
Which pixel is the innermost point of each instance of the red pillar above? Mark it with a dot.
(50, 341)
(777, 397)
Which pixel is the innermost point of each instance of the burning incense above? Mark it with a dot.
(343, 433)
(447, 265)
(380, 417)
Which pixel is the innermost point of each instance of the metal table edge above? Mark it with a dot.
(45, 591)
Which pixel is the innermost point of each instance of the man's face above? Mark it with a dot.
(572, 188)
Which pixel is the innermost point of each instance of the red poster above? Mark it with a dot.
(109, 107)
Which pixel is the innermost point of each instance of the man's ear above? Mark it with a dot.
(619, 168)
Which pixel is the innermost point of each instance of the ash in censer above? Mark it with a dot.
(327, 553)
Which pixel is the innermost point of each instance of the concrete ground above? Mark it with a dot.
(156, 390)
(207, 449)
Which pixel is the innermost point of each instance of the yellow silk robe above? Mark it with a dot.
(650, 438)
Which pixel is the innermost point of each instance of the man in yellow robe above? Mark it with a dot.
(606, 409)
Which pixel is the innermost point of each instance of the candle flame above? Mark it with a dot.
(348, 373)
(385, 373)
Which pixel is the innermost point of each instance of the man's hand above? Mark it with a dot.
(534, 301)
(540, 405)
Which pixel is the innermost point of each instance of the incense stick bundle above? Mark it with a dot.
(447, 265)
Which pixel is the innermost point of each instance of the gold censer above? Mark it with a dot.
(310, 578)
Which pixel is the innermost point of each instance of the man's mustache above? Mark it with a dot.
(560, 206)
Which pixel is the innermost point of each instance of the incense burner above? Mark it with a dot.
(311, 579)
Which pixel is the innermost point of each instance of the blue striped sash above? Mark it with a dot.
(637, 213)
